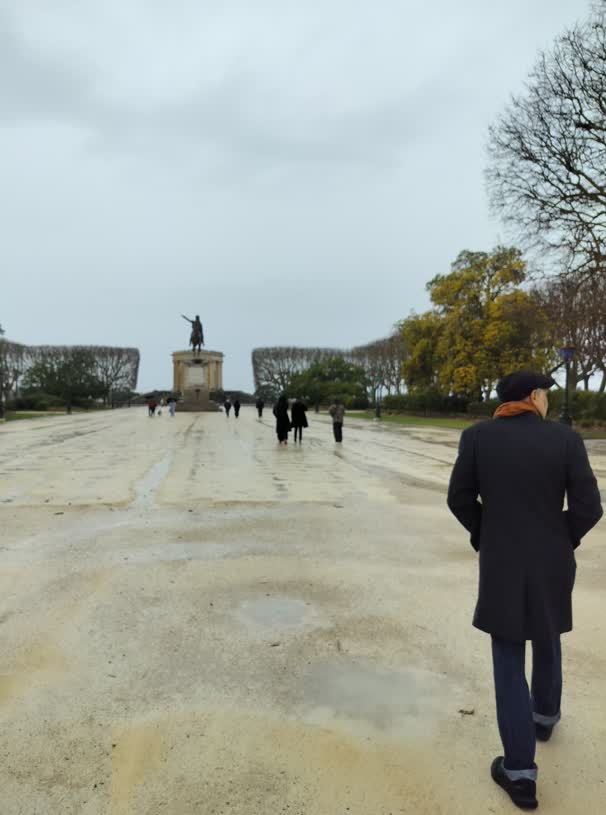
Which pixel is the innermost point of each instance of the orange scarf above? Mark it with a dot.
(514, 409)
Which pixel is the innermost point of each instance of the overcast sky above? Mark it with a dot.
(294, 172)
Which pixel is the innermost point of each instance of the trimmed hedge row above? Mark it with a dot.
(35, 401)
(424, 402)
(586, 407)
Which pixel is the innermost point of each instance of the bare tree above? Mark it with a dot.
(547, 170)
(116, 368)
(14, 360)
(273, 367)
(575, 310)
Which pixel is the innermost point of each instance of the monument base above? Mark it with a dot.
(196, 400)
(194, 376)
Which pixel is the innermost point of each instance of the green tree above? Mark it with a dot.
(69, 373)
(329, 379)
(488, 324)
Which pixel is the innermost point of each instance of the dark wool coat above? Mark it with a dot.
(521, 467)
(299, 419)
(283, 425)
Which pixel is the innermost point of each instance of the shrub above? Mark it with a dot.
(424, 401)
(486, 408)
(36, 400)
(356, 402)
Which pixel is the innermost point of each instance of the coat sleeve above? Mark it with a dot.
(583, 496)
(463, 489)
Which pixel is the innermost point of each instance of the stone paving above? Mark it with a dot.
(195, 620)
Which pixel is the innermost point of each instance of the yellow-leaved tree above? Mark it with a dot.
(488, 325)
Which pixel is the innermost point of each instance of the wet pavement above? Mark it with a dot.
(196, 620)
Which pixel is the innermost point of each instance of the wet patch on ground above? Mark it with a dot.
(408, 702)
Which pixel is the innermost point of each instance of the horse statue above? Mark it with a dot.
(196, 339)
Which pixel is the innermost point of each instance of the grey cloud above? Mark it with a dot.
(36, 87)
(237, 118)
(294, 170)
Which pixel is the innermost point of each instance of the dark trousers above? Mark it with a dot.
(260, 412)
(337, 429)
(299, 430)
(518, 708)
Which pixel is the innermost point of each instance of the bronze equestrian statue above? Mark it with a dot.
(196, 339)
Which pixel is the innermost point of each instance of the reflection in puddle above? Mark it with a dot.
(276, 611)
(355, 689)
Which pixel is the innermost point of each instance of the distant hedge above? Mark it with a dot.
(35, 401)
(586, 407)
(424, 402)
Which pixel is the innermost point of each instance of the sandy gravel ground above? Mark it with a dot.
(194, 620)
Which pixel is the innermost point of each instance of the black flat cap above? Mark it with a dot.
(520, 384)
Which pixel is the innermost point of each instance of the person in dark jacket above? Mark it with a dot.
(298, 418)
(337, 411)
(236, 408)
(260, 404)
(227, 406)
(282, 420)
(522, 467)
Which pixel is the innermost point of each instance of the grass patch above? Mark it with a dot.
(13, 416)
(454, 424)
(415, 421)
(592, 432)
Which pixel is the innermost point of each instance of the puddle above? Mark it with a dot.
(147, 486)
(276, 612)
(412, 701)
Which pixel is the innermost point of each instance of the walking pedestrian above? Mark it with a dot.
(298, 418)
(172, 405)
(227, 406)
(260, 404)
(522, 467)
(151, 406)
(282, 420)
(337, 411)
(236, 408)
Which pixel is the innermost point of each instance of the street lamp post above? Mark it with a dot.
(566, 355)
(377, 404)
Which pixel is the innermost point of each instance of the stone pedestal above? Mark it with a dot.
(194, 376)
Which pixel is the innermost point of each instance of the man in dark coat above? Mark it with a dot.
(522, 467)
(283, 424)
(298, 418)
(260, 404)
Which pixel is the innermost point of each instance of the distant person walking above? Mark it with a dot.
(299, 419)
(172, 405)
(151, 406)
(337, 411)
(260, 404)
(236, 408)
(282, 420)
(522, 468)
(227, 406)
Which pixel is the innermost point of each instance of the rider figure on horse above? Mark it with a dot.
(196, 339)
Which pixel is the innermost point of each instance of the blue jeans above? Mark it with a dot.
(518, 708)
